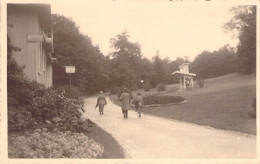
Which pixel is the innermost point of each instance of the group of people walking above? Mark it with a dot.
(125, 98)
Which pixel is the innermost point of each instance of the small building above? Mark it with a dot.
(29, 28)
(186, 78)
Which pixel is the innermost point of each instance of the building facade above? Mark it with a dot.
(28, 25)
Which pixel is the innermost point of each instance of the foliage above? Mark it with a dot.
(153, 99)
(124, 66)
(200, 82)
(147, 86)
(115, 90)
(216, 63)
(43, 144)
(70, 91)
(73, 48)
(244, 21)
(63, 113)
(159, 69)
(188, 83)
(161, 87)
(19, 118)
(30, 103)
(20, 93)
(253, 113)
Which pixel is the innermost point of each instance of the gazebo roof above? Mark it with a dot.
(183, 73)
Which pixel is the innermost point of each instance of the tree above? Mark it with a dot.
(244, 21)
(158, 65)
(216, 63)
(125, 65)
(73, 48)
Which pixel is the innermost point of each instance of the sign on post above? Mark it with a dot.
(70, 69)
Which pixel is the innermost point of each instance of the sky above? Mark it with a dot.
(174, 28)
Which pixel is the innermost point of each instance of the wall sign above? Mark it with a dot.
(35, 38)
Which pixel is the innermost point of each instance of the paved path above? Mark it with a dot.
(154, 137)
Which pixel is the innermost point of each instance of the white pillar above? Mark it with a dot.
(180, 82)
(184, 86)
(191, 81)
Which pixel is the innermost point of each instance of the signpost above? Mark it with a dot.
(70, 70)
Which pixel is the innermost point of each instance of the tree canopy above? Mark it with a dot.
(126, 66)
(73, 48)
(244, 21)
(217, 63)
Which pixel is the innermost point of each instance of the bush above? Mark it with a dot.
(160, 87)
(153, 99)
(200, 82)
(253, 112)
(19, 118)
(70, 92)
(63, 113)
(43, 144)
(115, 90)
(29, 103)
(147, 86)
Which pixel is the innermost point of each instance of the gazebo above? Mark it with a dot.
(186, 78)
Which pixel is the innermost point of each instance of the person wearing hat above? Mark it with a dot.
(125, 99)
(101, 102)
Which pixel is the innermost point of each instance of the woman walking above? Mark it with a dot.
(101, 102)
(125, 98)
(139, 103)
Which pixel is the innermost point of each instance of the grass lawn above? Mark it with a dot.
(112, 149)
(223, 103)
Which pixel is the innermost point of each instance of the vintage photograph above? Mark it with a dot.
(159, 79)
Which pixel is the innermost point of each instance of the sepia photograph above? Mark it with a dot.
(118, 80)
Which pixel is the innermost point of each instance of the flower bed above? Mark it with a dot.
(153, 99)
(43, 144)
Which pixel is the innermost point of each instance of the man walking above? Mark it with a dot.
(125, 99)
(101, 102)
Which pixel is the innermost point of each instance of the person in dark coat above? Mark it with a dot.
(125, 99)
(101, 102)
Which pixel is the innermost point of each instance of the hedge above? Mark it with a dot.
(153, 99)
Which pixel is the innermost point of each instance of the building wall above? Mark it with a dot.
(32, 54)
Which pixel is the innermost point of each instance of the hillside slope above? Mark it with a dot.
(223, 103)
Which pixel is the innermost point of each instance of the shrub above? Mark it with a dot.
(200, 82)
(171, 89)
(160, 87)
(70, 91)
(19, 118)
(153, 99)
(147, 86)
(63, 113)
(253, 112)
(115, 90)
(20, 93)
(43, 144)
(29, 103)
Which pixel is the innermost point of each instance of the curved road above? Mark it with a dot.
(154, 137)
